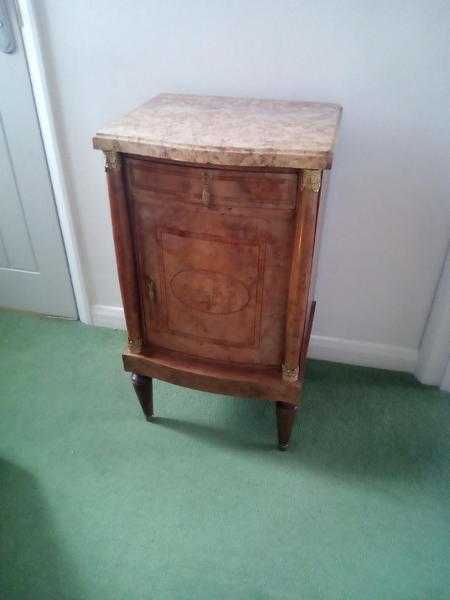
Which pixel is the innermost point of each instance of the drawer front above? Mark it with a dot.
(213, 273)
(213, 187)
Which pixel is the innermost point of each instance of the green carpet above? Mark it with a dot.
(96, 503)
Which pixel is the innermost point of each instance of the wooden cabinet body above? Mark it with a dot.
(216, 266)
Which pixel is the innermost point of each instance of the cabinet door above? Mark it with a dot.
(213, 251)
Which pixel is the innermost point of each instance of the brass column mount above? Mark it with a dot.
(311, 180)
(134, 345)
(113, 160)
(289, 374)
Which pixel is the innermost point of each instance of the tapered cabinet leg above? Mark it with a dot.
(285, 420)
(144, 391)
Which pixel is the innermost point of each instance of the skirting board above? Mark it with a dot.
(365, 354)
(353, 352)
(108, 316)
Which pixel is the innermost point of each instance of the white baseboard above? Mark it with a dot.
(365, 354)
(107, 316)
(353, 352)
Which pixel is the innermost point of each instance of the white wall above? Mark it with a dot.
(386, 62)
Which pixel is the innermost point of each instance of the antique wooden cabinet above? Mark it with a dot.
(216, 206)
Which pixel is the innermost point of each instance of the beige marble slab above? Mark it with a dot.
(227, 131)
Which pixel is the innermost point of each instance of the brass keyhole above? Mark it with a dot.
(151, 288)
(206, 194)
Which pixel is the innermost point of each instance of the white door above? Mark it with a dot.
(33, 268)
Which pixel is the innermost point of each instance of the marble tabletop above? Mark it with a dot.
(227, 131)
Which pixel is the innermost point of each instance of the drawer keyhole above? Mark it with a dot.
(151, 288)
(206, 194)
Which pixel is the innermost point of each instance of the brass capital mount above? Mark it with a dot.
(311, 180)
(113, 160)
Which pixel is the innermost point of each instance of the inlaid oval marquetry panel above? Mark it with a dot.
(210, 292)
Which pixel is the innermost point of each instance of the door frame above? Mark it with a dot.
(433, 365)
(36, 68)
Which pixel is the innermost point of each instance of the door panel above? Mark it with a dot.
(213, 274)
(197, 278)
(15, 238)
(4, 261)
(33, 268)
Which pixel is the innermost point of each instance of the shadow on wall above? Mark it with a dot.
(366, 423)
(32, 563)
